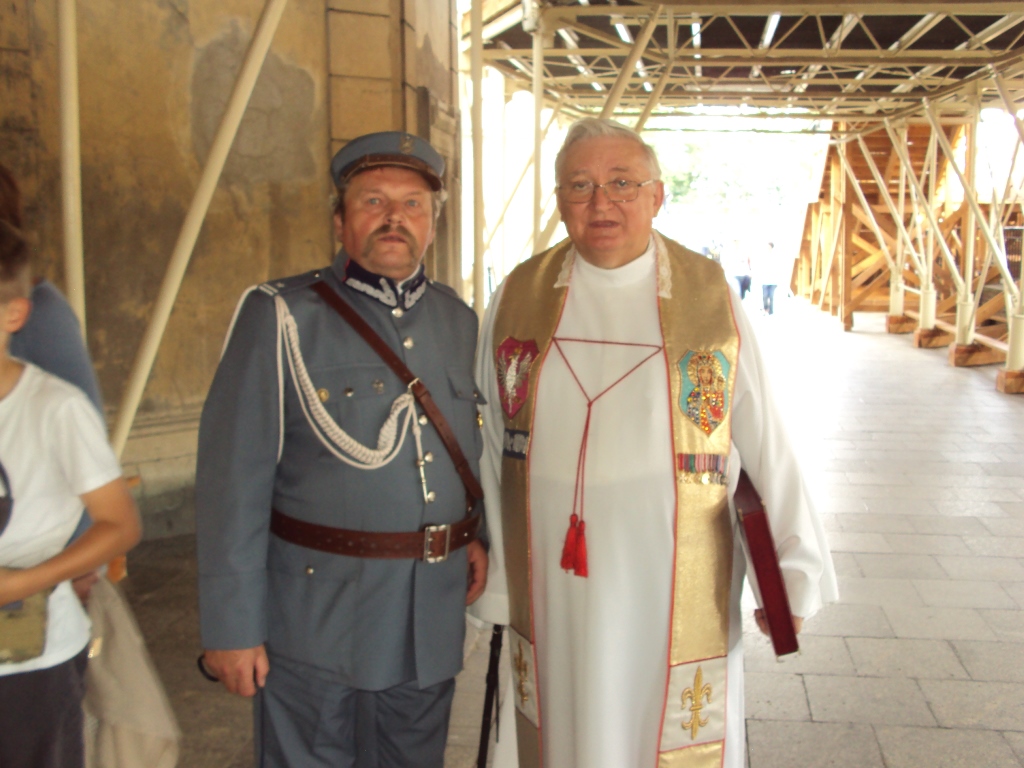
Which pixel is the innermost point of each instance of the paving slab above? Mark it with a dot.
(905, 658)
(868, 700)
(873, 523)
(892, 566)
(775, 696)
(944, 748)
(1016, 742)
(818, 655)
(999, 526)
(962, 704)
(939, 623)
(980, 567)
(812, 745)
(844, 541)
(1015, 589)
(1008, 625)
(952, 526)
(896, 592)
(963, 594)
(850, 620)
(1002, 545)
(991, 661)
(926, 544)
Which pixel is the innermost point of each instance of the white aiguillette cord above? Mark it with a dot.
(331, 435)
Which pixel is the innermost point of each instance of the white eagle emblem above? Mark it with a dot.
(513, 360)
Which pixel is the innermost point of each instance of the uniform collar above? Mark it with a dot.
(388, 292)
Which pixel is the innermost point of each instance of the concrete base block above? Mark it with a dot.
(966, 355)
(1010, 382)
(931, 338)
(900, 324)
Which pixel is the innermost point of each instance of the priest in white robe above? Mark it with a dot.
(625, 391)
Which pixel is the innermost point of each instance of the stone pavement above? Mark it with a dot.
(916, 468)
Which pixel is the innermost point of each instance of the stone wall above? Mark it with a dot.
(154, 77)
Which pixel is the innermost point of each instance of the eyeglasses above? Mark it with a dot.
(618, 190)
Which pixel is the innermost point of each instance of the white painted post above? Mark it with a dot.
(71, 160)
(143, 365)
(476, 24)
(538, 136)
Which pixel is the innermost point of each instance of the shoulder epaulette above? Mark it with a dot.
(290, 284)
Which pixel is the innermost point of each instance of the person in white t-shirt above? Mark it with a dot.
(55, 460)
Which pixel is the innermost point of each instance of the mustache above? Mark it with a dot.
(391, 229)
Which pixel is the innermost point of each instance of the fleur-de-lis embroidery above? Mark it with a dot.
(696, 695)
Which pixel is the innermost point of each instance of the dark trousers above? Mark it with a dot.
(302, 721)
(768, 298)
(743, 282)
(41, 716)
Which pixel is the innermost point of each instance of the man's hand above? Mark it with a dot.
(83, 586)
(476, 580)
(241, 671)
(762, 622)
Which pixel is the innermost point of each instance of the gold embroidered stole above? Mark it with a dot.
(702, 348)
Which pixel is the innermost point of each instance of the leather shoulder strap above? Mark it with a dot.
(419, 390)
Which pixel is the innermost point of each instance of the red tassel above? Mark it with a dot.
(580, 566)
(569, 548)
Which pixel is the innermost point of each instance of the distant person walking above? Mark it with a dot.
(736, 264)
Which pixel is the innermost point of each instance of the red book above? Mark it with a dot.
(761, 546)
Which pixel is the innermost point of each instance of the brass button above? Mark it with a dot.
(423, 419)
(479, 419)
(378, 386)
(323, 394)
(397, 312)
(431, 496)
(309, 570)
(349, 391)
(428, 457)
(407, 342)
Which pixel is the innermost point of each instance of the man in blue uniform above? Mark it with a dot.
(337, 540)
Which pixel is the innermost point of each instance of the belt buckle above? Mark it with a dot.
(429, 531)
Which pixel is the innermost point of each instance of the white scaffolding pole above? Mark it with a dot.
(629, 65)
(927, 205)
(999, 250)
(477, 68)
(247, 76)
(965, 307)
(896, 213)
(1015, 314)
(538, 135)
(526, 169)
(71, 159)
(868, 212)
(659, 88)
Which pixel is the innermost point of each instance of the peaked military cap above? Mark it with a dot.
(393, 148)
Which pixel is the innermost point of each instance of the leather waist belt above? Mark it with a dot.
(432, 544)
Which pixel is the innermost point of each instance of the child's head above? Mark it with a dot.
(10, 199)
(15, 275)
(15, 278)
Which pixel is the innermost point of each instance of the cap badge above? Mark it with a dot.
(406, 146)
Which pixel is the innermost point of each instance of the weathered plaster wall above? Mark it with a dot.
(154, 77)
